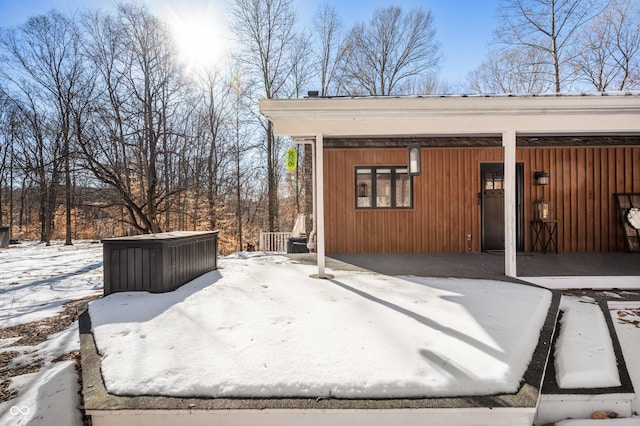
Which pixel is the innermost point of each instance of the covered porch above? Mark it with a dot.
(341, 131)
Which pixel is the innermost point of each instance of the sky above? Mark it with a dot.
(463, 27)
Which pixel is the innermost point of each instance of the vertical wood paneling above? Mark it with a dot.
(597, 207)
(604, 203)
(590, 204)
(582, 183)
(468, 193)
(434, 180)
(461, 231)
(565, 206)
(612, 186)
(635, 178)
(434, 225)
(580, 206)
(573, 197)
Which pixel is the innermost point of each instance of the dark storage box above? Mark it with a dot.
(157, 263)
(297, 245)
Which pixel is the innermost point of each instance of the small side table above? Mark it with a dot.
(545, 234)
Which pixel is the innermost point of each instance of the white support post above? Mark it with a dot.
(320, 204)
(509, 144)
(314, 189)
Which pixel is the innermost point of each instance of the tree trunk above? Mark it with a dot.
(238, 180)
(167, 174)
(554, 48)
(11, 193)
(67, 189)
(239, 201)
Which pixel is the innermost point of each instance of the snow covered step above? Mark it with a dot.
(584, 353)
(587, 368)
(626, 320)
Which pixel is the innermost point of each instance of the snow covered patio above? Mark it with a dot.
(38, 335)
(260, 342)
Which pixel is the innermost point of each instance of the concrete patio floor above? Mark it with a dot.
(491, 265)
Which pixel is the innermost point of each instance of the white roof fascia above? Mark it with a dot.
(397, 116)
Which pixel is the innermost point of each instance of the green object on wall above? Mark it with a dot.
(292, 159)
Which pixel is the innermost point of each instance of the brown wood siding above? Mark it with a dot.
(582, 183)
(446, 210)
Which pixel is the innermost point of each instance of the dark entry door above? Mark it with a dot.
(492, 200)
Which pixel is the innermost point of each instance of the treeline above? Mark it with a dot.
(103, 131)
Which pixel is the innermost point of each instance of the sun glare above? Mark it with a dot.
(198, 37)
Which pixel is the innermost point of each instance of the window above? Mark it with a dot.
(383, 188)
(493, 181)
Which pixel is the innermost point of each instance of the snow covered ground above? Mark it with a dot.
(435, 332)
(50, 396)
(36, 282)
(261, 327)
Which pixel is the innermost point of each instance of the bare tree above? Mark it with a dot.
(6, 153)
(390, 51)
(547, 26)
(511, 71)
(214, 114)
(43, 66)
(330, 49)
(266, 30)
(595, 63)
(38, 154)
(222, 152)
(608, 50)
(239, 145)
(626, 25)
(12, 129)
(139, 85)
(155, 151)
(302, 66)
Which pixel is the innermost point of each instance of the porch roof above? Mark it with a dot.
(598, 113)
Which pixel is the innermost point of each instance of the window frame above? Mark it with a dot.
(373, 189)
